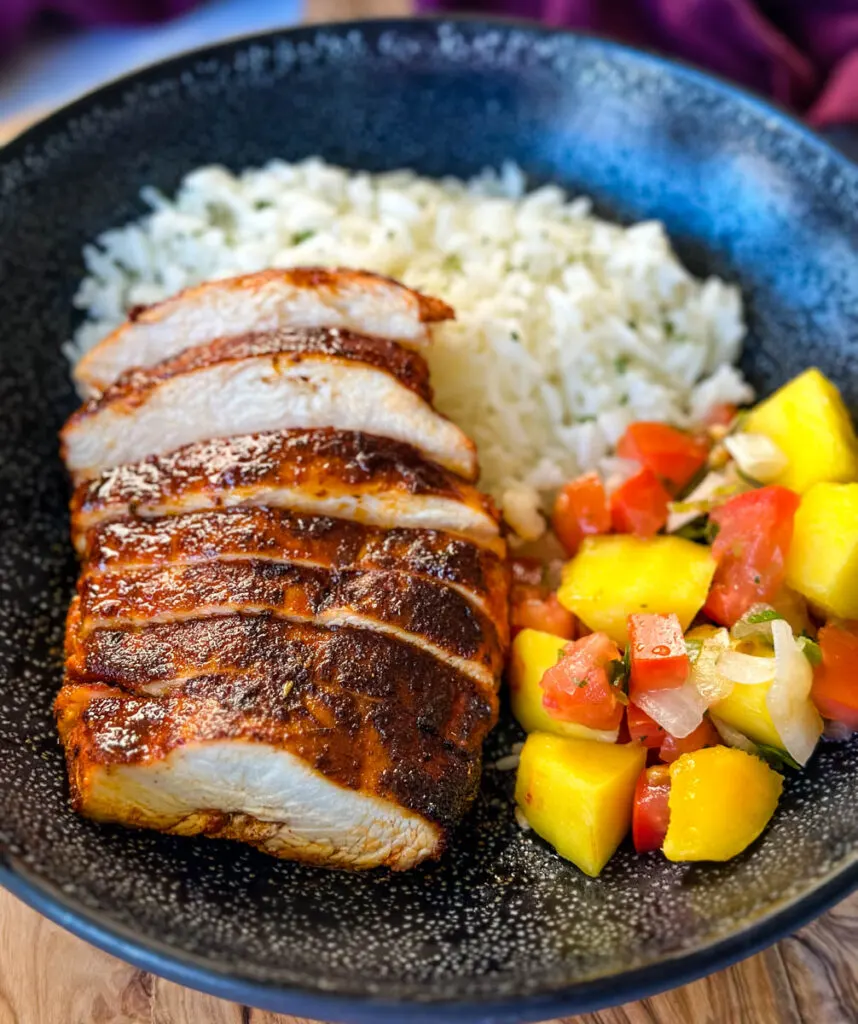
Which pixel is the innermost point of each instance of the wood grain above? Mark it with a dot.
(345, 10)
(49, 977)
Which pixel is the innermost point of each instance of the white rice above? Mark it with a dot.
(568, 327)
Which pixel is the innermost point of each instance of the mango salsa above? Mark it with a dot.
(578, 794)
(533, 653)
(720, 801)
(808, 421)
(823, 558)
(616, 576)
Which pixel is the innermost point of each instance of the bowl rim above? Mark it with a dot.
(193, 972)
(586, 996)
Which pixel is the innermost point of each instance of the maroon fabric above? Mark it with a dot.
(17, 15)
(802, 53)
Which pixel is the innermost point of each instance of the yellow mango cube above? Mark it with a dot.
(746, 710)
(808, 421)
(823, 557)
(533, 653)
(616, 576)
(578, 795)
(720, 801)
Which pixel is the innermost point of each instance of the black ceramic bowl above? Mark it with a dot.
(501, 929)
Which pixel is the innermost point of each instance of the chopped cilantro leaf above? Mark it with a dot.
(617, 673)
(811, 650)
(769, 615)
(776, 757)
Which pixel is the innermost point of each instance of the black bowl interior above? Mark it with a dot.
(501, 925)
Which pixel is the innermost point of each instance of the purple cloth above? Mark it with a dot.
(16, 16)
(802, 53)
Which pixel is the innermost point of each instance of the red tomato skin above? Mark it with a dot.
(658, 655)
(835, 681)
(651, 810)
(530, 611)
(639, 505)
(754, 536)
(643, 729)
(705, 735)
(581, 509)
(671, 454)
(577, 688)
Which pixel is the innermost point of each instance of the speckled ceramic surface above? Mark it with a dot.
(501, 929)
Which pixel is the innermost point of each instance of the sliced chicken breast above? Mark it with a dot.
(254, 383)
(307, 773)
(240, 534)
(298, 297)
(292, 616)
(208, 658)
(416, 611)
(156, 659)
(324, 472)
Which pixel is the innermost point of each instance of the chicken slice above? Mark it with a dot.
(417, 611)
(199, 657)
(298, 297)
(324, 472)
(306, 772)
(239, 534)
(255, 383)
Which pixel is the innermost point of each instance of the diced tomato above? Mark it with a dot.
(751, 547)
(673, 455)
(721, 415)
(644, 729)
(639, 505)
(705, 735)
(835, 681)
(531, 611)
(581, 508)
(578, 689)
(657, 653)
(651, 810)
(532, 606)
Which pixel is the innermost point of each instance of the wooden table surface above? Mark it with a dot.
(50, 977)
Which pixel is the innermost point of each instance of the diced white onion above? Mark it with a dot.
(747, 668)
(602, 735)
(710, 682)
(678, 711)
(713, 490)
(743, 629)
(732, 737)
(757, 456)
(788, 699)
(584, 732)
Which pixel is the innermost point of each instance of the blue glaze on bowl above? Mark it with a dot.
(501, 930)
